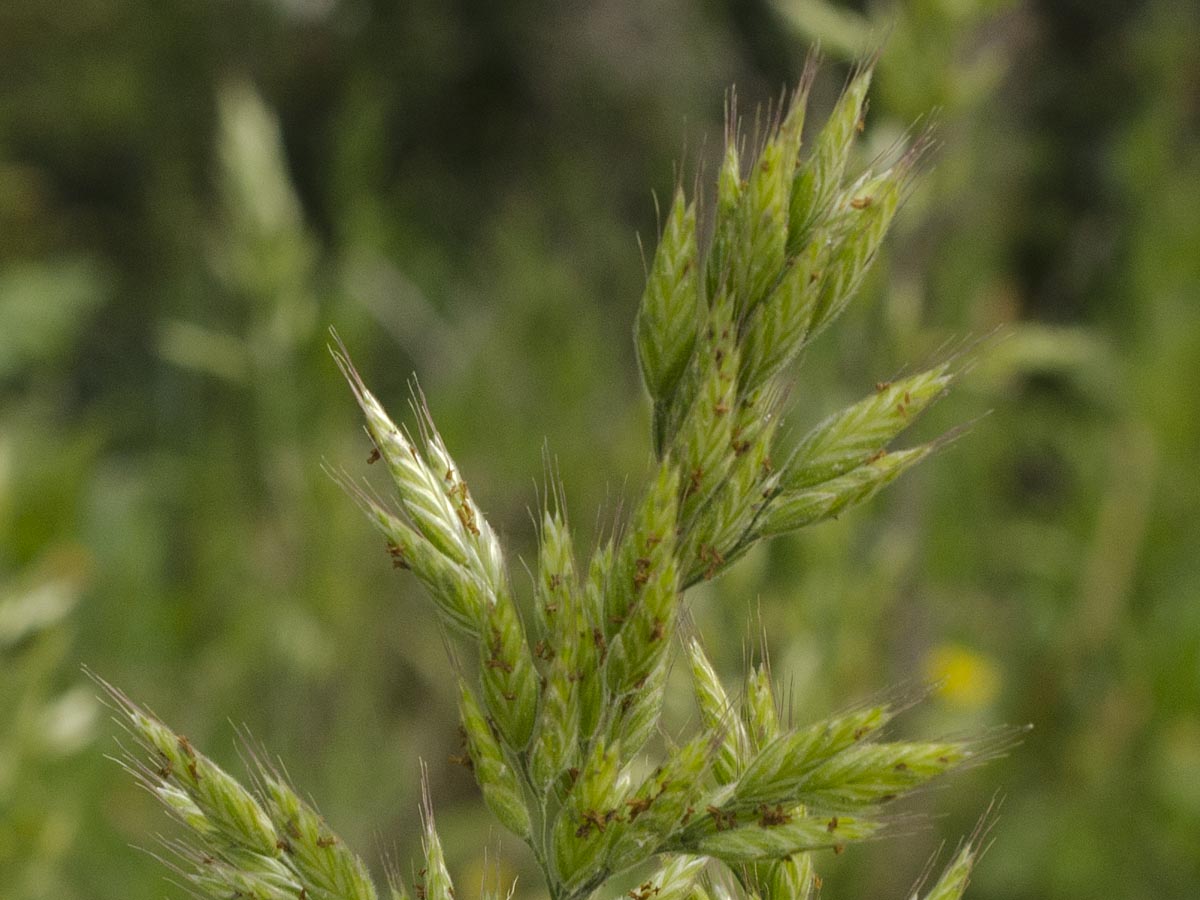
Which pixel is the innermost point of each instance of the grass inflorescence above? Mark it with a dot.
(557, 714)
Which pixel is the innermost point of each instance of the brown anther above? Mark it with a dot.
(860, 202)
(397, 555)
(554, 581)
(712, 556)
(739, 447)
(374, 457)
(770, 817)
(658, 630)
(284, 844)
(642, 573)
(944, 760)
(466, 515)
(645, 891)
(901, 767)
(687, 814)
(461, 759)
(860, 733)
(720, 409)
(722, 820)
(882, 386)
(598, 820)
(638, 806)
(839, 849)
(573, 774)
(832, 826)
(326, 840)
(501, 664)
(601, 644)
(876, 456)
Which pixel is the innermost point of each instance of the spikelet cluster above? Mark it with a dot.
(558, 711)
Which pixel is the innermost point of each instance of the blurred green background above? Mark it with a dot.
(191, 191)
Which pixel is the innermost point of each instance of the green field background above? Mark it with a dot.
(193, 191)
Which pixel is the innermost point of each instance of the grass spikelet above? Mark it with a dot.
(496, 778)
(669, 312)
(718, 717)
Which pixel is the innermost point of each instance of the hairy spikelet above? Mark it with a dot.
(756, 841)
(590, 820)
(668, 316)
(496, 776)
(718, 717)
(264, 845)
(953, 881)
(849, 438)
(817, 180)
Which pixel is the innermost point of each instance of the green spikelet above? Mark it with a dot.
(863, 215)
(496, 777)
(778, 327)
(795, 509)
(849, 438)
(778, 770)
(762, 216)
(817, 181)
(590, 821)
(780, 834)
(718, 717)
(645, 553)
(510, 680)
(725, 216)
(435, 883)
(762, 715)
(328, 868)
(669, 314)
(953, 882)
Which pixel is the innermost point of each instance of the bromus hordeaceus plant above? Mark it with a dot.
(557, 712)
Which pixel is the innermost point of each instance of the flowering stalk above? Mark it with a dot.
(556, 714)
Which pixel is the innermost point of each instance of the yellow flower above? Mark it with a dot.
(965, 678)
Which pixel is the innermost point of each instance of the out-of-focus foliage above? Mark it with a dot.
(190, 193)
